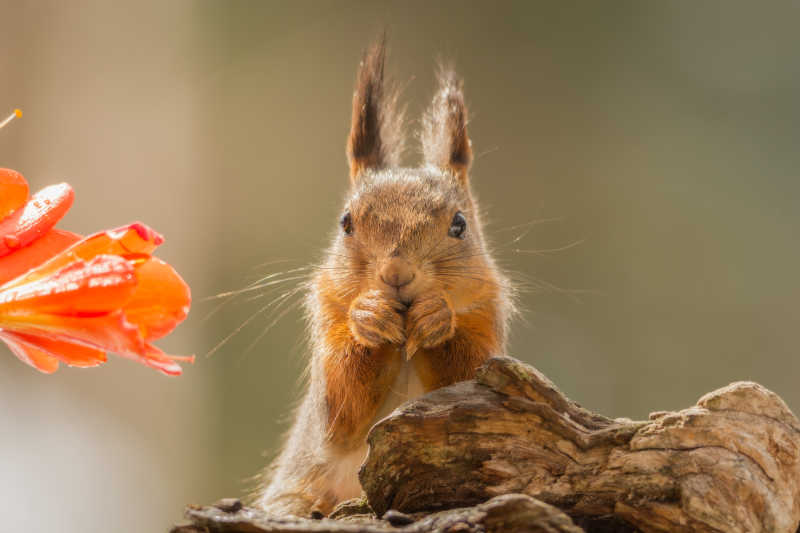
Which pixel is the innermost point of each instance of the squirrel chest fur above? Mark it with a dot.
(407, 300)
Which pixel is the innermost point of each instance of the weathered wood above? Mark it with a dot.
(511, 513)
(483, 456)
(730, 463)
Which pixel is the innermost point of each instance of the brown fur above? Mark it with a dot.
(397, 297)
(376, 133)
(445, 143)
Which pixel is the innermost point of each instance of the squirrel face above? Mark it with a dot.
(408, 231)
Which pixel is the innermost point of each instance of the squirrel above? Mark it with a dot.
(407, 299)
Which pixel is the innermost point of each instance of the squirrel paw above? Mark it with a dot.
(431, 322)
(376, 319)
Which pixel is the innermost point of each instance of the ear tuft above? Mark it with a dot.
(445, 143)
(376, 134)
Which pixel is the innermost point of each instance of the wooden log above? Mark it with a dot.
(483, 456)
(511, 513)
(730, 463)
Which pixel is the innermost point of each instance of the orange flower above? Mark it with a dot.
(72, 299)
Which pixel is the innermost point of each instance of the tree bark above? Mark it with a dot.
(508, 452)
(504, 514)
(730, 463)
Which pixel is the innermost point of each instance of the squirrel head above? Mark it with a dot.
(409, 230)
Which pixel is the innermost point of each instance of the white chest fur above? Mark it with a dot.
(344, 472)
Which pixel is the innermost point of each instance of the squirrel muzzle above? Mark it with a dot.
(398, 275)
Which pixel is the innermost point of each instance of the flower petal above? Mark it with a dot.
(161, 300)
(104, 293)
(101, 331)
(36, 253)
(72, 354)
(109, 332)
(36, 218)
(31, 355)
(82, 288)
(13, 191)
(135, 238)
(155, 358)
(133, 241)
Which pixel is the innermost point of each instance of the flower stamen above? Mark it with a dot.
(17, 113)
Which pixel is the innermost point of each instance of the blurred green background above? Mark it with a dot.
(662, 137)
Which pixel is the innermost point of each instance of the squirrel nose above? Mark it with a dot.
(397, 272)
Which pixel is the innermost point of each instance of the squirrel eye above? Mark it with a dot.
(347, 223)
(458, 226)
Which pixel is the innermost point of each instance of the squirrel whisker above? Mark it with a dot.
(546, 251)
(235, 294)
(284, 298)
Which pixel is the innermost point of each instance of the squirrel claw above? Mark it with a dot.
(375, 320)
(430, 322)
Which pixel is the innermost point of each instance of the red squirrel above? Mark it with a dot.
(407, 300)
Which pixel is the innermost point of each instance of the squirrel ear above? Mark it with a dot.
(445, 143)
(376, 133)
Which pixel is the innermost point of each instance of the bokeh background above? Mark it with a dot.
(655, 142)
